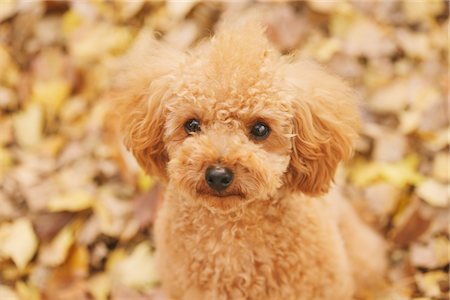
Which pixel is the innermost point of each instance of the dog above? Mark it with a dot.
(247, 142)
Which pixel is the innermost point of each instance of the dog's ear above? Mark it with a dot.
(325, 125)
(142, 82)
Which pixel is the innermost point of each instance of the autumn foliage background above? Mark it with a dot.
(75, 210)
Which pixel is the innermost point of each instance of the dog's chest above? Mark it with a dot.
(242, 259)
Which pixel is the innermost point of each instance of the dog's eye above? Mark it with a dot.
(260, 131)
(192, 125)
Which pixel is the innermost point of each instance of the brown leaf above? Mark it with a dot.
(147, 204)
(47, 225)
(411, 223)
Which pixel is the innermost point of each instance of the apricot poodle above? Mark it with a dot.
(247, 142)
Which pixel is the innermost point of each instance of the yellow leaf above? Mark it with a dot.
(52, 145)
(116, 256)
(7, 293)
(137, 270)
(441, 166)
(99, 40)
(441, 247)
(399, 173)
(9, 72)
(99, 286)
(55, 253)
(71, 201)
(419, 11)
(111, 212)
(429, 282)
(434, 193)
(78, 262)
(28, 292)
(6, 161)
(28, 126)
(18, 242)
(179, 9)
(327, 49)
(324, 6)
(70, 21)
(416, 45)
(51, 94)
(144, 182)
(437, 140)
(409, 121)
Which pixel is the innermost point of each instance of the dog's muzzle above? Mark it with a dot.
(218, 178)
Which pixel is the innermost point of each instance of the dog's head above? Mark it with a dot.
(233, 121)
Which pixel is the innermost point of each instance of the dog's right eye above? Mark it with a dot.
(191, 126)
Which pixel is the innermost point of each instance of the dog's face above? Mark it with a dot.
(227, 136)
(232, 121)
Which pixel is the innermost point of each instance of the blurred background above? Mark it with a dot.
(75, 210)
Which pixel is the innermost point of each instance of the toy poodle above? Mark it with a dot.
(247, 142)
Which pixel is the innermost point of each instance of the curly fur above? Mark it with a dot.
(273, 236)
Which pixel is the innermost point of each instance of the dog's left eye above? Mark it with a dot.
(191, 126)
(260, 131)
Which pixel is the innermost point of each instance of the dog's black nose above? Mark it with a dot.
(218, 178)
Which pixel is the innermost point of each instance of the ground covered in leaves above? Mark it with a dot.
(75, 210)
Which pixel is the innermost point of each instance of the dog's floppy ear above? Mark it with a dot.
(325, 124)
(143, 81)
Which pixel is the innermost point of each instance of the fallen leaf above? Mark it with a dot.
(99, 286)
(434, 193)
(146, 206)
(391, 99)
(18, 242)
(27, 291)
(416, 45)
(285, 29)
(144, 181)
(138, 269)
(8, 293)
(441, 167)
(390, 148)
(55, 252)
(431, 255)
(71, 201)
(429, 283)
(382, 198)
(410, 224)
(367, 38)
(418, 11)
(179, 9)
(28, 126)
(401, 173)
(47, 225)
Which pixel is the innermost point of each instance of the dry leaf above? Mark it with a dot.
(400, 173)
(441, 167)
(100, 286)
(8, 293)
(50, 94)
(411, 223)
(55, 252)
(27, 291)
(434, 193)
(47, 225)
(390, 147)
(179, 9)
(72, 201)
(137, 270)
(429, 283)
(28, 126)
(18, 242)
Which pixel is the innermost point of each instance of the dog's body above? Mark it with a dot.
(247, 142)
